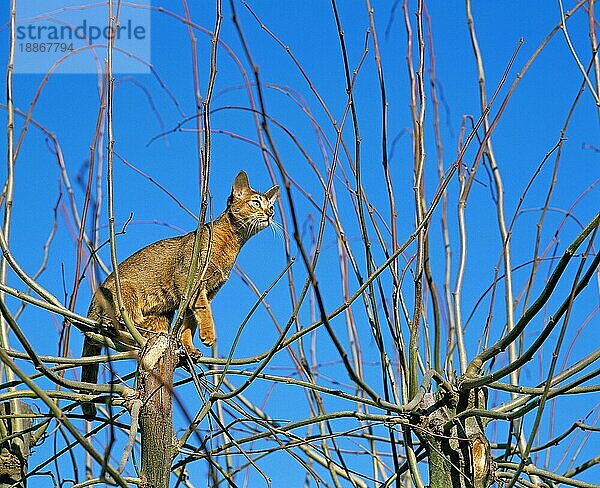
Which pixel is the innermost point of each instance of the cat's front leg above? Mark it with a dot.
(187, 335)
(204, 319)
(198, 315)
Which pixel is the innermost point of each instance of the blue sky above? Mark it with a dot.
(528, 130)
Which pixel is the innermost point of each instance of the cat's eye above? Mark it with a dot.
(255, 203)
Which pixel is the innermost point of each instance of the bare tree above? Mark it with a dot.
(391, 353)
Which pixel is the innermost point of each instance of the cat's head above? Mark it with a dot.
(250, 211)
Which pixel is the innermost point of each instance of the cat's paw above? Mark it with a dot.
(206, 332)
(194, 355)
(188, 355)
(207, 338)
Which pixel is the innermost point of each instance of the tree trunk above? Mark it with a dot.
(481, 466)
(15, 453)
(459, 457)
(157, 366)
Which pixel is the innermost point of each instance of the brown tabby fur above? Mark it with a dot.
(154, 278)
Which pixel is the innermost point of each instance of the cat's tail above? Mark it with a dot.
(89, 374)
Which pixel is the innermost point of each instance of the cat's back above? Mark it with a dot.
(154, 264)
(147, 277)
(156, 259)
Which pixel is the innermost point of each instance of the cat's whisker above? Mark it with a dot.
(255, 226)
(279, 230)
(273, 229)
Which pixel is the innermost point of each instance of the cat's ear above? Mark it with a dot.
(240, 184)
(272, 194)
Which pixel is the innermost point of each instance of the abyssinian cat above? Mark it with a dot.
(154, 278)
